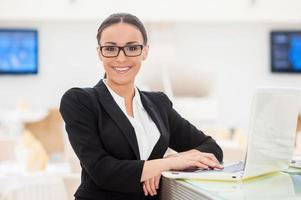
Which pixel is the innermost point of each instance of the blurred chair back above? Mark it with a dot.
(49, 131)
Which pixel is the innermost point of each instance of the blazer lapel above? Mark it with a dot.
(162, 144)
(118, 116)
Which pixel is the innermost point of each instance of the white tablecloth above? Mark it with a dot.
(18, 185)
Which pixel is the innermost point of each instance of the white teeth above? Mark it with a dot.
(121, 68)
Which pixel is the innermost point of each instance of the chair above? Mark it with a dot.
(49, 131)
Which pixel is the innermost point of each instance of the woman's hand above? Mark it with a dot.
(193, 159)
(180, 161)
(151, 185)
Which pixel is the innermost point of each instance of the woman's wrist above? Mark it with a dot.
(165, 164)
(153, 168)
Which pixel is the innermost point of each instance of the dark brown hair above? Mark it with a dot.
(124, 18)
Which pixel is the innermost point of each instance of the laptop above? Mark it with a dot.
(271, 137)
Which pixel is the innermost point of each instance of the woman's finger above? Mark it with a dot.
(144, 189)
(148, 187)
(153, 186)
(211, 156)
(200, 165)
(210, 163)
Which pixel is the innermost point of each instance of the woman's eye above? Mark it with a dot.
(110, 49)
(133, 48)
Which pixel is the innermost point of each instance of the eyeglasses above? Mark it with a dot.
(113, 51)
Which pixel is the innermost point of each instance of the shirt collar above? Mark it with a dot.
(137, 98)
(120, 100)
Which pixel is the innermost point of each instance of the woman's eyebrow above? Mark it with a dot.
(114, 43)
(134, 42)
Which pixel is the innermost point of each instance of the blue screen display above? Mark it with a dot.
(286, 51)
(18, 51)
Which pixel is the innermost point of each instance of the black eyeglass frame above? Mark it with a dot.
(121, 48)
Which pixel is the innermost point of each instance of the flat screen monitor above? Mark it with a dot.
(18, 51)
(285, 51)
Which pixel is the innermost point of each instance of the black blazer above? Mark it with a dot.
(106, 145)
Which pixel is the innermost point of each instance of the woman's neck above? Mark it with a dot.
(126, 91)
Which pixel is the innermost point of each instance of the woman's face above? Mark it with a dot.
(122, 69)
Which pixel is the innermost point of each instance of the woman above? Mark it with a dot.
(120, 133)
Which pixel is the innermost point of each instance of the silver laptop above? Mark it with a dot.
(271, 137)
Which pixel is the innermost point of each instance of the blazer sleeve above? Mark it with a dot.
(81, 125)
(185, 136)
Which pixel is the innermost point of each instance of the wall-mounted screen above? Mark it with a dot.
(18, 51)
(285, 51)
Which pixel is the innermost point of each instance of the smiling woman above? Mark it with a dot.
(119, 133)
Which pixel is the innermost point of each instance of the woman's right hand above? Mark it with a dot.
(180, 161)
(193, 159)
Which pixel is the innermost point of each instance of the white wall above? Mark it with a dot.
(237, 54)
(67, 58)
(155, 10)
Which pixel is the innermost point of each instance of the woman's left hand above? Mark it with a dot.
(151, 185)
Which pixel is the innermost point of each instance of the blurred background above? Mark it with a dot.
(207, 56)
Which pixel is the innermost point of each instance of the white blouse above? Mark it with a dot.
(147, 132)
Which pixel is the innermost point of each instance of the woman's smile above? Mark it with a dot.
(121, 69)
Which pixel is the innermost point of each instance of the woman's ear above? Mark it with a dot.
(145, 52)
(99, 53)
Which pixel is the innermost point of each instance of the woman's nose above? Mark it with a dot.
(121, 56)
